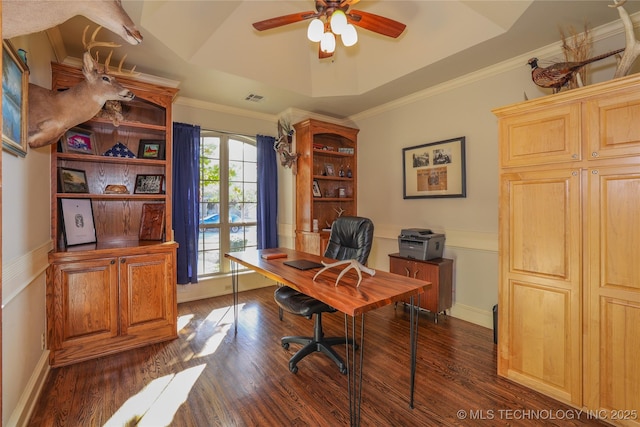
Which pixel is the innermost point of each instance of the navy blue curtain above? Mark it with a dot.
(186, 185)
(267, 192)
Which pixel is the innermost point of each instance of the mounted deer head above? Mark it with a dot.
(51, 113)
(21, 17)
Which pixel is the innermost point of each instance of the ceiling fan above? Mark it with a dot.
(334, 17)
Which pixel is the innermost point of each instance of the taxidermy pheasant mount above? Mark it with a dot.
(559, 74)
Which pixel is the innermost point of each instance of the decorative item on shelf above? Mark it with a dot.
(15, 87)
(149, 184)
(341, 172)
(78, 140)
(349, 172)
(119, 150)
(111, 110)
(152, 221)
(283, 146)
(73, 180)
(346, 150)
(116, 189)
(77, 219)
(316, 189)
(632, 45)
(317, 146)
(558, 75)
(151, 149)
(328, 168)
(328, 148)
(342, 192)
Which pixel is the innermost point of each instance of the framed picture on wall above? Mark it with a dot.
(15, 84)
(434, 170)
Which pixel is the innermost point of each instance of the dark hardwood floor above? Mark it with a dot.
(211, 377)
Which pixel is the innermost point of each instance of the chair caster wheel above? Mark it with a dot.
(285, 345)
(293, 369)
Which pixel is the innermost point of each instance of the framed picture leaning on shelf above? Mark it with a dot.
(151, 149)
(316, 189)
(149, 184)
(78, 140)
(73, 180)
(152, 221)
(77, 218)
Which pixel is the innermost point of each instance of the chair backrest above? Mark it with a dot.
(351, 238)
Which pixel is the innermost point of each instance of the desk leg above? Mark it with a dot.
(414, 313)
(234, 290)
(354, 370)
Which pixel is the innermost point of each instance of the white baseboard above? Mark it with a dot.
(22, 412)
(472, 315)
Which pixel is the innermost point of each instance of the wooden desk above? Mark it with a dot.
(374, 292)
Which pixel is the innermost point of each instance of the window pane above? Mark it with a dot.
(228, 199)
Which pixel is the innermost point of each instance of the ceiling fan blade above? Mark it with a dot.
(267, 24)
(376, 23)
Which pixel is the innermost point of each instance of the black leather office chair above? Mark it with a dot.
(351, 238)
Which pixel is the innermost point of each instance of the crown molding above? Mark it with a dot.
(600, 33)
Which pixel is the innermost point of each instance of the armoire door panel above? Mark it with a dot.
(620, 355)
(541, 137)
(544, 338)
(544, 224)
(612, 125)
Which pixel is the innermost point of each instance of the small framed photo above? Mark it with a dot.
(152, 221)
(15, 85)
(151, 149)
(73, 180)
(78, 140)
(329, 170)
(77, 220)
(316, 189)
(149, 184)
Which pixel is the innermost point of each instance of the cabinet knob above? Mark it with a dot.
(574, 156)
(594, 154)
(594, 172)
(113, 261)
(123, 260)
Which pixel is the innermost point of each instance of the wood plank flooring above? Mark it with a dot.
(211, 377)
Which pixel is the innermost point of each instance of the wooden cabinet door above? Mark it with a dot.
(540, 323)
(545, 136)
(613, 304)
(421, 271)
(82, 308)
(148, 295)
(612, 125)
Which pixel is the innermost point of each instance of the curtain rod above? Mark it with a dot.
(231, 133)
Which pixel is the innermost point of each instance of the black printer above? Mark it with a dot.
(420, 243)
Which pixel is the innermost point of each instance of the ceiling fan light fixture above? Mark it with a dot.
(328, 42)
(338, 22)
(315, 30)
(349, 35)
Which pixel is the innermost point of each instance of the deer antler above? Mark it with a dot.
(93, 43)
(632, 46)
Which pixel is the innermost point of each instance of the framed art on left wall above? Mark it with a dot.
(15, 84)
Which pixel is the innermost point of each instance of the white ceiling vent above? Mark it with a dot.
(253, 97)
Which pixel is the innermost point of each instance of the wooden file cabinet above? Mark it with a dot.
(438, 271)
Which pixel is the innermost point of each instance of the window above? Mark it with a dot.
(228, 199)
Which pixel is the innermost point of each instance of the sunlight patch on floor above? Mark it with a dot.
(158, 402)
